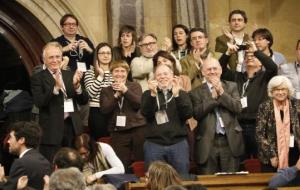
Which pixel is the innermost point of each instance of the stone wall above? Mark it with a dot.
(280, 16)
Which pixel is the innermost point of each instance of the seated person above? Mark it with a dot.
(286, 177)
(99, 158)
(161, 175)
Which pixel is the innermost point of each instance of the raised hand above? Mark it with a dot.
(84, 46)
(197, 56)
(76, 79)
(152, 85)
(176, 86)
(167, 44)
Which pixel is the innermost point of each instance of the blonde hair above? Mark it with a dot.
(280, 80)
(161, 175)
(119, 63)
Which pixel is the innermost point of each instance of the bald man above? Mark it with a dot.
(219, 142)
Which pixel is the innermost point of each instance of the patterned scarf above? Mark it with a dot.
(283, 133)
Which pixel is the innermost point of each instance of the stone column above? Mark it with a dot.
(192, 13)
(124, 12)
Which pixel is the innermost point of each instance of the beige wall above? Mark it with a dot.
(279, 16)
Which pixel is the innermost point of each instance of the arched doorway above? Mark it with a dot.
(23, 32)
(22, 37)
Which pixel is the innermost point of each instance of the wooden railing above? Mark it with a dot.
(255, 181)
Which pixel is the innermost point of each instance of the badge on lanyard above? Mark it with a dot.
(244, 102)
(298, 95)
(121, 121)
(81, 66)
(161, 117)
(68, 105)
(239, 67)
(292, 141)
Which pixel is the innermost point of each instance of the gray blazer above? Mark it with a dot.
(229, 106)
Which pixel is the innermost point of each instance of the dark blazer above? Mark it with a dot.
(33, 165)
(229, 106)
(51, 106)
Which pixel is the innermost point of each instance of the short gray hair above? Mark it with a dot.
(51, 44)
(67, 179)
(280, 80)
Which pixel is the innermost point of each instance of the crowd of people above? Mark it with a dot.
(181, 104)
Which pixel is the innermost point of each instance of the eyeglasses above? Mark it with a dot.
(104, 53)
(147, 44)
(70, 24)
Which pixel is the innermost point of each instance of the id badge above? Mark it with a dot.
(239, 67)
(298, 95)
(121, 121)
(292, 141)
(68, 105)
(81, 66)
(244, 102)
(161, 117)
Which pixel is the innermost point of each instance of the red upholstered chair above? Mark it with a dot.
(252, 165)
(138, 168)
(106, 140)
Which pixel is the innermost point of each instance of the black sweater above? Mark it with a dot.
(179, 109)
(256, 91)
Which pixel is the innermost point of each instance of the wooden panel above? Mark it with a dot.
(255, 181)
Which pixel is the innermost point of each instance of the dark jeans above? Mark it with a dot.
(249, 133)
(177, 155)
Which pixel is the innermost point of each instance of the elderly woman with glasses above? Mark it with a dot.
(277, 130)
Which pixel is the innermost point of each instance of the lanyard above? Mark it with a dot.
(121, 104)
(245, 85)
(166, 101)
(75, 53)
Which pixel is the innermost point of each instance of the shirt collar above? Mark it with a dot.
(22, 154)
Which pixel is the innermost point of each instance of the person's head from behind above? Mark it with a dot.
(237, 20)
(280, 88)
(127, 36)
(198, 39)
(160, 175)
(148, 45)
(165, 58)
(67, 179)
(23, 135)
(103, 187)
(86, 146)
(180, 36)
(263, 39)
(66, 158)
